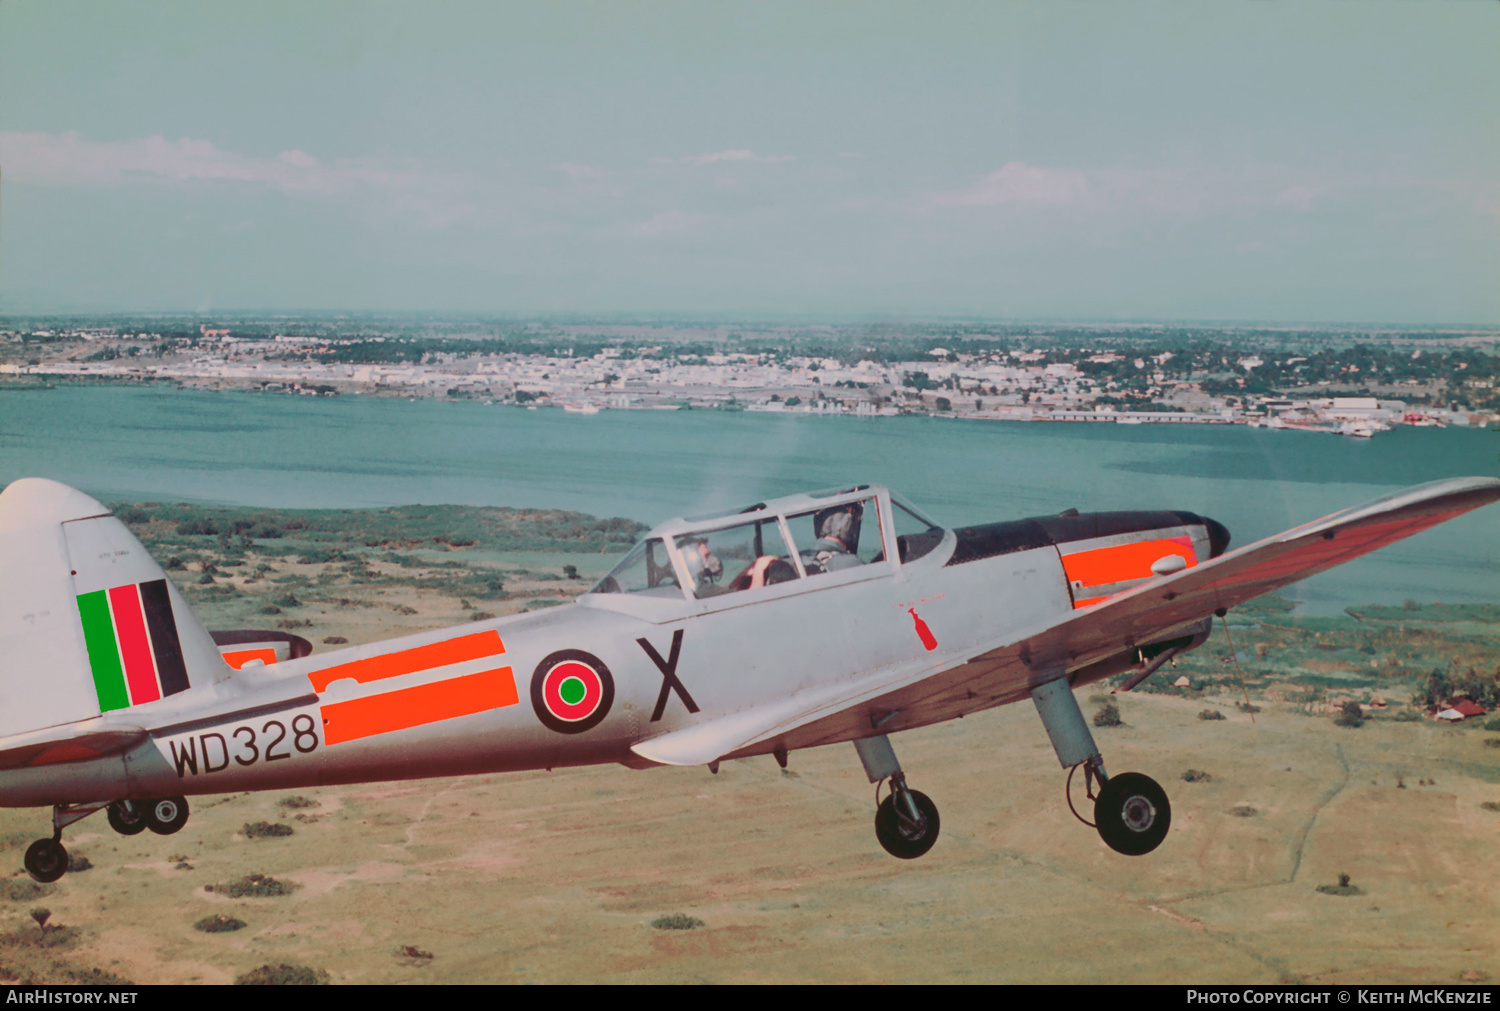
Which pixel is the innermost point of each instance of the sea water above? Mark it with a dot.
(158, 443)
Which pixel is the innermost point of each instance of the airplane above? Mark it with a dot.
(819, 618)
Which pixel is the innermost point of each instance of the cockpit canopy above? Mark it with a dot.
(792, 538)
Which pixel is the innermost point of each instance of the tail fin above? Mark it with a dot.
(89, 623)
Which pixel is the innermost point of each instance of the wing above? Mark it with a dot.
(1007, 671)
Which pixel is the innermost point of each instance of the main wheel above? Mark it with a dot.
(46, 860)
(896, 832)
(167, 815)
(126, 817)
(1132, 814)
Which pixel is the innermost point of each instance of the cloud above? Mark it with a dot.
(1021, 184)
(576, 171)
(68, 160)
(733, 155)
(1188, 190)
(668, 224)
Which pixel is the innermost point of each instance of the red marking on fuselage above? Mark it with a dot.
(923, 632)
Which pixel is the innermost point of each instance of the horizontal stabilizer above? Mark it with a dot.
(71, 745)
(242, 646)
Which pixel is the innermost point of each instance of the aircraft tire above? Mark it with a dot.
(167, 815)
(898, 841)
(1132, 814)
(126, 817)
(46, 860)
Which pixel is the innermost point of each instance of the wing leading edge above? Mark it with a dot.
(915, 696)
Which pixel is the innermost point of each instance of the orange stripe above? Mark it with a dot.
(1124, 561)
(409, 661)
(413, 707)
(238, 658)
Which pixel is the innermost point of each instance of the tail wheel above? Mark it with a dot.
(1132, 814)
(46, 860)
(167, 815)
(126, 817)
(902, 837)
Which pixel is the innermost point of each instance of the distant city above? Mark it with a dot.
(1354, 381)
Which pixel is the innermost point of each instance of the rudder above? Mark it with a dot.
(89, 623)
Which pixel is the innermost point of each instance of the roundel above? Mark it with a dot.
(572, 691)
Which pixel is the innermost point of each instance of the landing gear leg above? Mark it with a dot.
(1131, 812)
(46, 860)
(906, 822)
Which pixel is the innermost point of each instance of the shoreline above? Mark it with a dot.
(1359, 422)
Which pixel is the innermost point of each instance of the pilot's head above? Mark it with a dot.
(841, 523)
(703, 565)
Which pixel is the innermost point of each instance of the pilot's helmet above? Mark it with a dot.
(841, 522)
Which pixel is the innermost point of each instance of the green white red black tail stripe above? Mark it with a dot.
(133, 648)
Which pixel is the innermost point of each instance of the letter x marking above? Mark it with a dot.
(669, 680)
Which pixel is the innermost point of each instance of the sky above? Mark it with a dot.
(1086, 160)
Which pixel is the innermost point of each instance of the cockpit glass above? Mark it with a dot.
(648, 568)
(744, 557)
(838, 537)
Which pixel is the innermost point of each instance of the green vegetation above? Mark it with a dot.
(317, 533)
(20, 890)
(677, 921)
(1350, 715)
(283, 975)
(295, 565)
(1211, 714)
(1108, 716)
(1433, 656)
(266, 830)
(254, 886)
(219, 924)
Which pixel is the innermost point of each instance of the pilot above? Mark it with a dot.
(838, 537)
(703, 565)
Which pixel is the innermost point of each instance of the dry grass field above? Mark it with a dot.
(558, 877)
